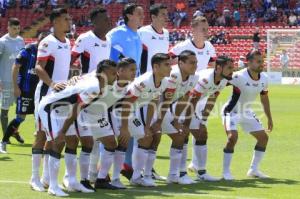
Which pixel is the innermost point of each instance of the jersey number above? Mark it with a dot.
(102, 122)
(136, 122)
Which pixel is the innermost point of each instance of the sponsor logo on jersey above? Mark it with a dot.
(247, 84)
(96, 45)
(153, 37)
(59, 47)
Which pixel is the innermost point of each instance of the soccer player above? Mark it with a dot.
(247, 84)
(138, 112)
(96, 119)
(24, 83)
(58, 111)
(10, 45)
(204, 50)
(203, 98)
(124, 40)
(185, 79)
(52, 67)
(92, 48)
(155, 39)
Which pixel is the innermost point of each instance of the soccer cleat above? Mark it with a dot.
(86, 183)
(36, 185)
(17, 136)
(227, 176)
(207, 177)
(75, 187)
(149, 180)
(104, 184)
(156, 176)
(173, 178)
(117, 183)
(127, 173)
(257, 174)
(191, 168)
(3, 147)
(140, 181)
(45, 183)
(92, 177)
(186, 180)
(56, 191)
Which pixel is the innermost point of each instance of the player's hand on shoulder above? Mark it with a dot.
(58, 86)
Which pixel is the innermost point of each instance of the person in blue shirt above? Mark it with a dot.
(124, 39)
(125, 42)
(24, 83)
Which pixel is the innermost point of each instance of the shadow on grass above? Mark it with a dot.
(202, 188)
(5, 158)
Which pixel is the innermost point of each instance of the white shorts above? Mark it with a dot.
(136, 122)
(197, 116)
(37, 119)
(248, 121)
(97, 126)
(53, 122)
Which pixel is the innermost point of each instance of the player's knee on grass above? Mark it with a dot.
(87, 141)
(109, 142)
(72, 141)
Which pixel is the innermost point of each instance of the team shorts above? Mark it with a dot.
(25, 104)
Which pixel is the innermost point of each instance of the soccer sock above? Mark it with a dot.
(129, 151)
(106, 158)
(200, 149)
(45, 175)
(84, 161)
(12, 128)
(94, 158)
(36, 162)
(119, 158)
(184, 157)
(257, 157)
(4, 120)
(139, 157)
(227, 160)
(150, 162)
(54, 164)
(71, 164)
(175, 159)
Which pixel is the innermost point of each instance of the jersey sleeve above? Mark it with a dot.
(78, 47)
(115, 48)
(213, 55)
(21, 57)
(1, 46)
(88, 95)
(175, 50)
(265, 89)
(45, 50)
(135, 89)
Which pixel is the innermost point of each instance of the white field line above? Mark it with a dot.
(168, 193)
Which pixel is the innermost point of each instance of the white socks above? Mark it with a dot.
(150, 162)
(139, 157)
(226, 162)
(94, 158)
(54, 164)
(36, 162)
(256, 159)
(199, 156)
(183, 158)
(71, 166)
(119, 158)
(107, 157)
(84, 161)
(46, 175)
(175, 159)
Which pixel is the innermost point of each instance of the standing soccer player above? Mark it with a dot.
(24, 83)
(155, 39)
(247, 84)
(58, 111)
(91, 47)
(52, 67)
(10, 45)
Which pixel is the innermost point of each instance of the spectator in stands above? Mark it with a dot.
(293, 20)
(24, 4)
(198, 13)
(241, 63)
(3, 7)
(237, 17)
(220, 20)
(227, 16)
(192, 3)
(228, 38)
(256, 39)
(178, 16)
(53, 4)
(284, 60)
(252, 16)
(180, 6)
(120, 21)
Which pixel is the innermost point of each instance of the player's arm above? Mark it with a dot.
(181, 105)
(152, 106)
(264, 98)
(194, 97)
(15, 71)
(211, 101)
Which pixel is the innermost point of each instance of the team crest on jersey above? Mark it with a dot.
(205, 81)
(45, 45)
(247, 84)
(174, 76)
(153, 37)
(96, 45)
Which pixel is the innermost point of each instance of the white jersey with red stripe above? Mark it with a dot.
(110, 95)
(91, 49)
(80, 92)
(153, 42)
(182, 87)
(206, 84)
(245, 91)
(143, 89)
(204, 55)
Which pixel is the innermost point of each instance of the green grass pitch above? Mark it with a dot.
(281, 161)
